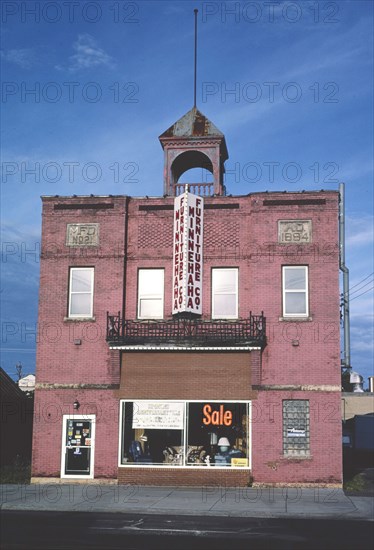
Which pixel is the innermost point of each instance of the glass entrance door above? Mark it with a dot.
(78, 446)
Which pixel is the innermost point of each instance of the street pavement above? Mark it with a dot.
(215, 501)
(40, 530)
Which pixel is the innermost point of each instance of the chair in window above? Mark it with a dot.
(196, 454)
(173, 455)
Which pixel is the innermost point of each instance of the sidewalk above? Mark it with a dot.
(204, 501)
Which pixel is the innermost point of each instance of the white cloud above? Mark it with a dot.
(20, 233)
(362, 307)
(360, 231)
(87, 55)
(361, 337)
(24, 57)
(359, 345)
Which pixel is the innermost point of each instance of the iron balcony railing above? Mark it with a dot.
(189, 332)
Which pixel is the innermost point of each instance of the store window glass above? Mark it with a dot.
(152, 433)
(217, 434)
(178, 433)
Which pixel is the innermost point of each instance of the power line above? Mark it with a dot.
(358, 290)
(362, 280)
(359, 283)
(368, 290)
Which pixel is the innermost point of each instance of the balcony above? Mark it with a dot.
(192, 333)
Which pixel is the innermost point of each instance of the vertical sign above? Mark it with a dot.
(188, 253)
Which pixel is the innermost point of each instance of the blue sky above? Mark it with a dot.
(88, 89)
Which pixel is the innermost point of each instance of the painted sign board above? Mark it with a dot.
(239, 462)
(188, 253)
(294, 432)
(153, 415)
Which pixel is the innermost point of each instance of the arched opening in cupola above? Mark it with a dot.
(194, 168)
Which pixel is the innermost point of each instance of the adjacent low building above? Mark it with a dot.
(191, 338)
(16, 417)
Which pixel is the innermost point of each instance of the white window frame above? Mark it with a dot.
(293, 290)
(83, 417)
(155, 296)
(79, 315)
(186, 402)
(214, 293)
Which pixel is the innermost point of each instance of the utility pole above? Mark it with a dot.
(19, 368)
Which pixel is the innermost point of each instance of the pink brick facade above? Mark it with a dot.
(50, 407)
(301, 360)
(324, 464)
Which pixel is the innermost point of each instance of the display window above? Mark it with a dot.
(185, 434)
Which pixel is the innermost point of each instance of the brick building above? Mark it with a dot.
(193, 338)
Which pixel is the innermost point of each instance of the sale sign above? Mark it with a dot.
(188, 253)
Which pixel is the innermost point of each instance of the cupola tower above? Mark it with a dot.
(193, 142)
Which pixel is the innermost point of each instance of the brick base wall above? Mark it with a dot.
(184, 477)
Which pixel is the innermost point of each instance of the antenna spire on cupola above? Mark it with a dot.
(196, 11)
(193, 141)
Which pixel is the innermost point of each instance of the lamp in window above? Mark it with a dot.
(223, 444)
(213, 438)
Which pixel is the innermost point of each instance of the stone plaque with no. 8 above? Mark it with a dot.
(82, 234)
(294, 231)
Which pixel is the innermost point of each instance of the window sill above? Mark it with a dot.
(79, 319)
(296, 457)
(295, 319)
(182, 467)
(228, 319)
(147, 319)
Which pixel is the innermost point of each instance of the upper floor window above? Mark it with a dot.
(224, 293)
(151, 294)
(295, 291)
(81, 291)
